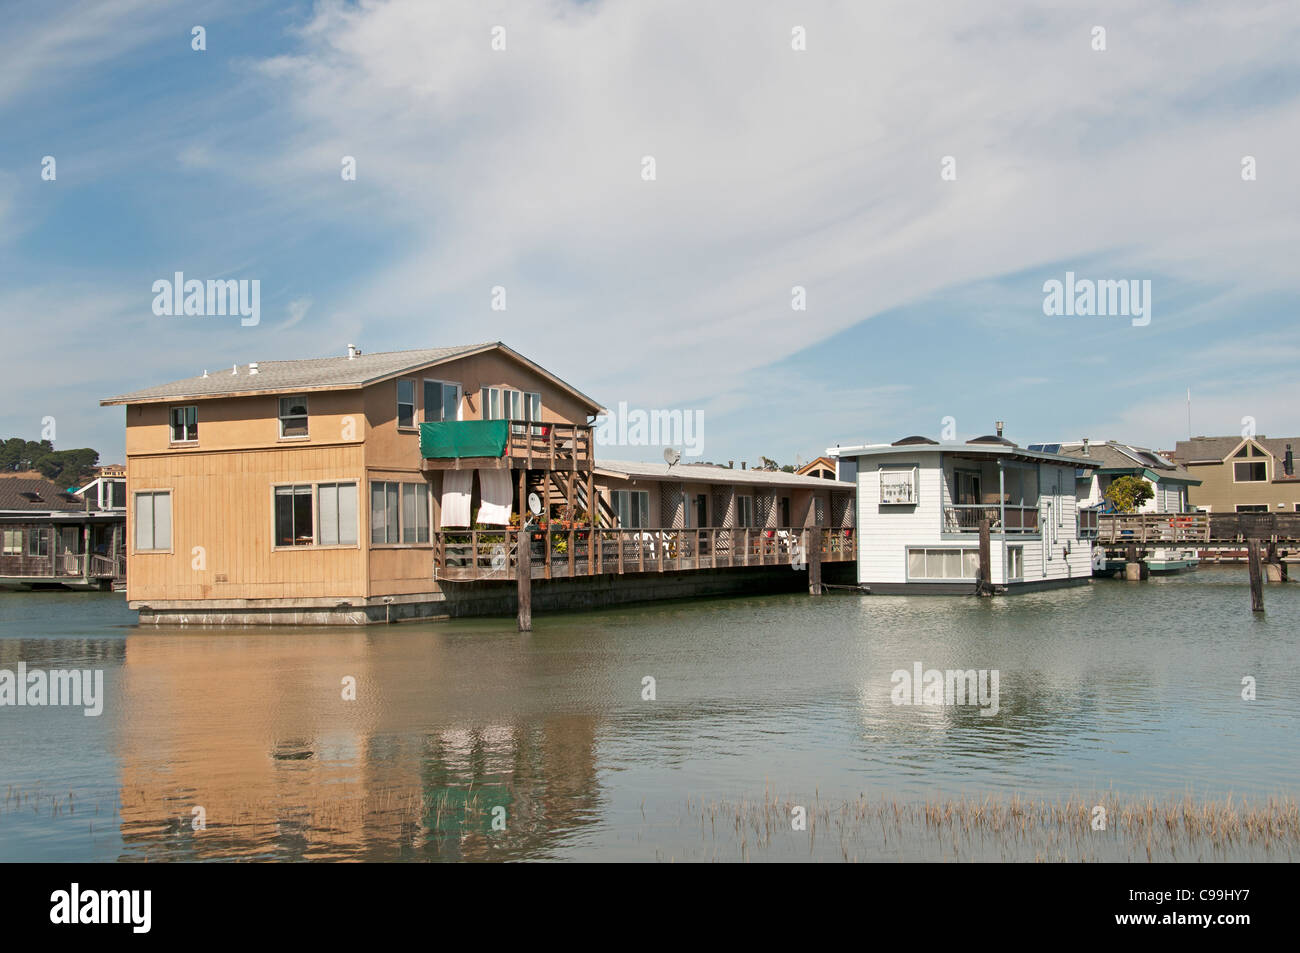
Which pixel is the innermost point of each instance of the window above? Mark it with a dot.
(744, 511)
(153, 521)
(293, 516)
(13, 542)
(185, 424)
(1252, 507)
(1253, 471)
(399, 513)
(337, 505)
(942, 563)
(38, 542)
(406, 403)
(441, 401)
(491, 403)
(898, 486)
(1015, 562)
(500, 403)
(293, 416)
(633, 508)
(415, 512)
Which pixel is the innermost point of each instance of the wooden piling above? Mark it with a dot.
(815, 563)
(984, 575)
(524, 575)
(1256, 576)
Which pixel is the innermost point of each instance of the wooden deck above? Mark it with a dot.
(471, 556)
(64, 569)
(1172, 529)
(532, 446)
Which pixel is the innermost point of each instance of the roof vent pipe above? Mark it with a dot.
(352, 351)
(252, 367)
(1085, 446)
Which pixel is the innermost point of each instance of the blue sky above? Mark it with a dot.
(776, 167)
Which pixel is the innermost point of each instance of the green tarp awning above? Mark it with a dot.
(464, 438)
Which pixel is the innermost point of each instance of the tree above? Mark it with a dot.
(1127, 493)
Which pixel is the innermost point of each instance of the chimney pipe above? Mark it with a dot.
(352, 351)
(730, 464)
(1000, 428)
(1085, 446)
(743, 464)
(1288, 464)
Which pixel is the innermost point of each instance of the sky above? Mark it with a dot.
(919, 170)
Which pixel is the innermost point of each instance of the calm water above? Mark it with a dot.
(1133, 689)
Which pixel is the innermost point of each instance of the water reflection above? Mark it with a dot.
(1131, 689)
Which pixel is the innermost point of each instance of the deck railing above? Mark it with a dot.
(551, 446)
(1166, 528)
(489, 554)
(966, 517)
(63, 566)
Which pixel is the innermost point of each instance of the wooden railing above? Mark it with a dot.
(554, 446)
(966, 517)
(489, 554)
(1162, 528)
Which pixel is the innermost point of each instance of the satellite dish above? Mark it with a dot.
(534, 504)
(672, 455)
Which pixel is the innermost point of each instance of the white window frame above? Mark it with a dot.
(900, 477)
(135, 521)
(171, 426)
(282, 416)
(7, 545)
(961, 550)
(460, 396)
(1019, 553)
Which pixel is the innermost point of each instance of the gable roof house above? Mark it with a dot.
(53, 538)
(1170, 481)
(1242, 474)
(372, 487)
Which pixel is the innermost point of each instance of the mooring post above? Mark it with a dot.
(815, 563)
(984, 575)
(1256, 577)
(1132, 565)
(524, 574)
(1274, 568)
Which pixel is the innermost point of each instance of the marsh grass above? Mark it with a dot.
(1003, 828)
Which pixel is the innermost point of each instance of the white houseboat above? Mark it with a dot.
(921, 504)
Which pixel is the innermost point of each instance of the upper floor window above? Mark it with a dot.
(406, 403)
(185, 424)
(500, 403)
(1253, 471)
(153, 521)
(293, 416)
(441, 401)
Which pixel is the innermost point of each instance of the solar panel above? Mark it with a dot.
(1046, 447)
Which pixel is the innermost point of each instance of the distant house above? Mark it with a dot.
(823, 468)
(1170, 481)
(1242, 474)
(921, 504)
(53, 538)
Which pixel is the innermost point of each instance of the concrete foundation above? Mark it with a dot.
(467, 599)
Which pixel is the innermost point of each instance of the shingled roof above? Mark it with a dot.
(1215, 449)
(27, 495)
(1122, 456)
(321, 374)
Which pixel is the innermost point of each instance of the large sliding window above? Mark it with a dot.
(153, 521)
(399, 513)
(632, 507)
(441, 401)
(293, 516)
(1254, 471)
(38, 541)
(942, 563)
(500, 403)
